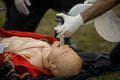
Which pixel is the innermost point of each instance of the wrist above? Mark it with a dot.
(80, 19)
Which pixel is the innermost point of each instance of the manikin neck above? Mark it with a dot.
(45, 60)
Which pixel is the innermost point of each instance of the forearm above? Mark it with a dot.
(99, 7)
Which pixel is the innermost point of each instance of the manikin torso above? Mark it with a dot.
(35, 51)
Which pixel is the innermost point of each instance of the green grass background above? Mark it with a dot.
(86, 38)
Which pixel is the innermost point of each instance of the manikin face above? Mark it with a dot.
(63, 61)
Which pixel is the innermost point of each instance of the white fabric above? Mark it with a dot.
(108, 26)
(21, 6)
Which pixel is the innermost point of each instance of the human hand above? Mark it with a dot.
(21, 6)
(70, 25)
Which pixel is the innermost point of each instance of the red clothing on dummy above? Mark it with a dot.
(21, 65)
(4, 33)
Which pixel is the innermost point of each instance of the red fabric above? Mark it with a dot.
(20, 63)
(4, 33)
(22, 66)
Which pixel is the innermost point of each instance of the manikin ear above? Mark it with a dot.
(52, 65)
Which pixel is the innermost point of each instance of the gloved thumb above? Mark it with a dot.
(64, 33)
(62, 15)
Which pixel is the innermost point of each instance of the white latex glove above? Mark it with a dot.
(70, 25)
(89, 1)
(21, 6)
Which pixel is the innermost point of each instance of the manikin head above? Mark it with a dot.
(63, 61)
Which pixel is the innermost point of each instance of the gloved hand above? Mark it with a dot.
(89, 1)
(70, 25)
(21, 6)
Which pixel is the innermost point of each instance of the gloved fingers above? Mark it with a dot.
(70, 25)
(62, 15)
(19, 8)
(28, 2)
(23, 9)
(63, 33)
(58, 29)
(60, 34)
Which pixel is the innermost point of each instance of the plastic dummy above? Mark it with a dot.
(26, 56)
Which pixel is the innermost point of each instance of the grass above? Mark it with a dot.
(2, 15)
(86, 38)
